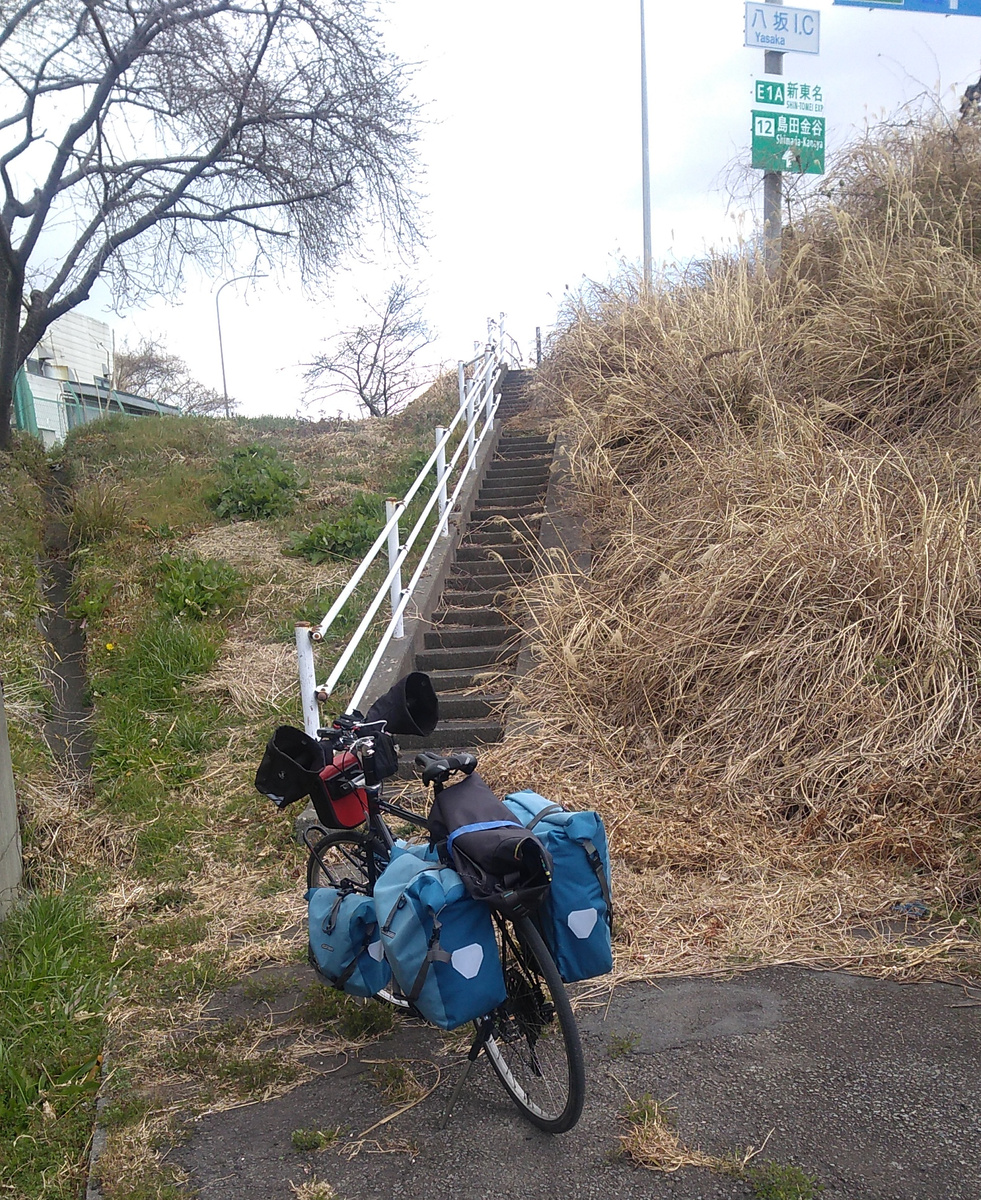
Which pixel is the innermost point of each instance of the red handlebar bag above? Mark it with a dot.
(343, 781)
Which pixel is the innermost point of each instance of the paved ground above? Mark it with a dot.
(875, 1088)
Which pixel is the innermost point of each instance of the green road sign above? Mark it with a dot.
(788, 142)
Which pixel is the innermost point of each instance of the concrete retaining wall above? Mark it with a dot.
(11, 869)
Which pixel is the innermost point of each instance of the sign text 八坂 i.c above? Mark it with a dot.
(786, 30)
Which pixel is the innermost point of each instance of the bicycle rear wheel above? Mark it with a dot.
(534, 1047)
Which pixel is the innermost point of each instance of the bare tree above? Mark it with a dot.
(135, 134)
(375, 361)
(150, 370)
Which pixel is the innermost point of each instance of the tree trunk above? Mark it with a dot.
(10, 308)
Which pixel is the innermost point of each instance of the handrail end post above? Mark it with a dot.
(308, 677)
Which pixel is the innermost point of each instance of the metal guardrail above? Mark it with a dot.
(478, 383)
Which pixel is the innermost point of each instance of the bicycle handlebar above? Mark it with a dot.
(437, 769)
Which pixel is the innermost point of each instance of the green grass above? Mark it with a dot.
(55, 980)
(150, 734)
(779, 1181)
(348, 1017)
(308, 1140)
(622, 1044)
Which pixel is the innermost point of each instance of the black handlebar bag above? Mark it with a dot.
(296, 765)
(500, 862)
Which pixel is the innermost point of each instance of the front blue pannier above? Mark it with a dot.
(577, 916)
(440, 943)
(345, 941)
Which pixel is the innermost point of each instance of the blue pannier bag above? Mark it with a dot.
(345, 942)
(577, 916)
(440, 943)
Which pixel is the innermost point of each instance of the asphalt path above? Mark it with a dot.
(873, 1088)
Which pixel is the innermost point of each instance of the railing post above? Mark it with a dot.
(308, 678)
(461, 379)
(488, 386)
(393, 553)
(444, 528)
(471, 432)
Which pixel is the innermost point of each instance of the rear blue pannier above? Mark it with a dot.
(440, 943)
(577, 916)
(345, 941)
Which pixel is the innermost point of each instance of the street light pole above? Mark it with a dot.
(221, 348)
(645, 153)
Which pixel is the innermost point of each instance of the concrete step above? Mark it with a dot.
(488, 565)
(524, 456)
(531, 481)
(469, 616)
(516, 505)
(470, 707)
(451, 637)
(502, 534)
(527, 439)
(510, 493)
(475, 599)
(488, 521)
(465, 656)
(466, 583)
(526, 513)
(456, 734)
(524, 464)
(447, 682)
(470, 554)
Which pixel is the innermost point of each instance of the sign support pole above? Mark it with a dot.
(645, 155)
(772, 183)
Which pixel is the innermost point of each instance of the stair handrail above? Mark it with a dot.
(478, 387)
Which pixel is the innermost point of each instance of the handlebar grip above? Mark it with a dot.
(437, 771)
(460, 760)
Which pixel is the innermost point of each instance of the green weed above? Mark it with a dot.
(307, 1140)
(262, 989)
(196, 587)
(645, 1110)
(346, 536)
(55, 979)
(175, 933)
(99, 512)
(348, 1017)
(397, 1082)
(621, 1044)
(778, 1181)
(253, 483)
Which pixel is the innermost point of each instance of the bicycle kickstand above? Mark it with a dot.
(481, 1036)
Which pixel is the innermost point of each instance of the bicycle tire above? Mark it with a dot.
(344, 854)
(535, 1048)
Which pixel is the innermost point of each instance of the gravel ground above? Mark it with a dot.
(871, 1087)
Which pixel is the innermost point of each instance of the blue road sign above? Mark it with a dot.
(947, 8)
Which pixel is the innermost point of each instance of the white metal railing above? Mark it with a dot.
(478, 383)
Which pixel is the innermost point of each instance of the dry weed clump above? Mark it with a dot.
(769, 678)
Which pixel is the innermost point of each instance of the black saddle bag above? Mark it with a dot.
(500, 862)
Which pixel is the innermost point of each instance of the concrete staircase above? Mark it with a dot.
(515, 394)
(471, 650)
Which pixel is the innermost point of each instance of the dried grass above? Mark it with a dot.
(768, 681)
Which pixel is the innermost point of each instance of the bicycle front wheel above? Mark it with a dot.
(534, 1047)
(346, 858)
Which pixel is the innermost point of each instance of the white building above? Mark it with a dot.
(67, 381)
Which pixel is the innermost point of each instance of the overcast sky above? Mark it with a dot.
(531, 154)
